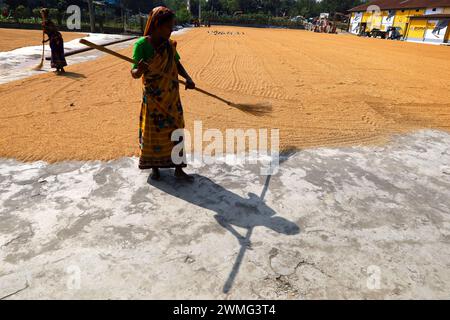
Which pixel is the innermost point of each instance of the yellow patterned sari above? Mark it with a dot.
(161, 111)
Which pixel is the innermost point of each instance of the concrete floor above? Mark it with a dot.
(361, 222)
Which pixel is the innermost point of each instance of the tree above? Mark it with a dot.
(22, 12)
(183, 15)
(36, 13)
(15, 3)
(230, 6)
(61, 6)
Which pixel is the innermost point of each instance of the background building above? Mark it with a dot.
(415, 20)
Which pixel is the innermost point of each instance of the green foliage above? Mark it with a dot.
(252, 19)
(180, 8)
(21, 12)
(183, 15)
(53, 13)
(36, 12)
(230, 6)
(262, 12)
(277, 8)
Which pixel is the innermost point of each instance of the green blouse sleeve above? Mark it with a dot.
(138, 52)
(142, 50)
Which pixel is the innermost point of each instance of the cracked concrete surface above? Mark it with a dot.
(361, 222)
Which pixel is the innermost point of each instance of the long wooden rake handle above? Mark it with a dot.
(43, 47)
(106, 50)
(120, 56)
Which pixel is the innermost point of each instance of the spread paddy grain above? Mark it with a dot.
(16, 38)
(323, 90)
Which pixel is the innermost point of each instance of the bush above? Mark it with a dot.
(251, 19)
(22, 12)
(36, 13)
(53, 13)
(183, 15)
(4, 11)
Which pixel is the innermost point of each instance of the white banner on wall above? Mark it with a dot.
(436, 30)
(355, 28)
(388, 20)
(355, 23)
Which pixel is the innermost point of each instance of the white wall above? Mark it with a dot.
(355, 22)
(430, 10)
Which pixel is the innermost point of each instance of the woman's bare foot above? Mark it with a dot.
(156, 175)
(181, 175)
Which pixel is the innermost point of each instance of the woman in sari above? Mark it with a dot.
(161, 110)
(58, 61)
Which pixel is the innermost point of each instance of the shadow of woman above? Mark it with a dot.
(72, 75)
(231, 210)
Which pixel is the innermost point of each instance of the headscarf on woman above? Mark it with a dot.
(155, 17)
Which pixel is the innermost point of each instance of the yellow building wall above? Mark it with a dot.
(447, 36)
(377, 19)
(373, 20)
(367, 18)
(414, 12)
(416, 30)
(402, 18)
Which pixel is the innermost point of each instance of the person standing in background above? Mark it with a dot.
(58, 60)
